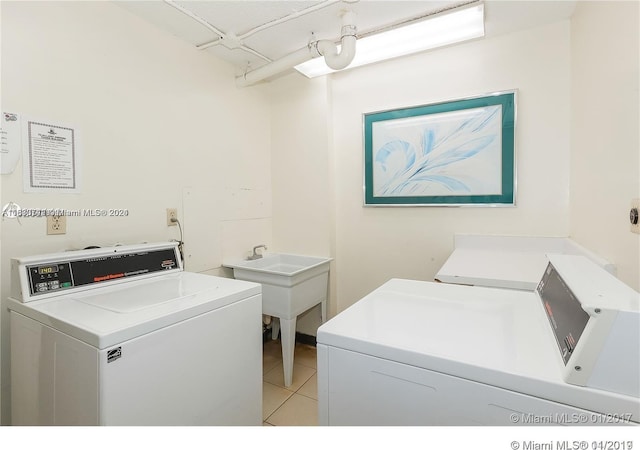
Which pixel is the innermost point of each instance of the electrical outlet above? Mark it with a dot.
(634, 218)
(56, 224)
(172, 214)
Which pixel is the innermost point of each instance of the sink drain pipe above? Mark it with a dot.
(333, 58)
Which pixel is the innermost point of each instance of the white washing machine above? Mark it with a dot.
(421, 353)
(123, 336)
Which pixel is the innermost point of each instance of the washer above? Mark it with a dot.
(421, 353)
(124, 336)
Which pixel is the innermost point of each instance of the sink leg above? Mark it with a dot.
(323, 310)
(288, 340)
(275, 328)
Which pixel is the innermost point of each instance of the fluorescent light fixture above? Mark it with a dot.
(437, 31)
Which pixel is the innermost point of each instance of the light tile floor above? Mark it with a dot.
(297, 404)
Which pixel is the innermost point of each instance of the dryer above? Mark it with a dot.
(422, 353)
(510, 262)
(124, 336)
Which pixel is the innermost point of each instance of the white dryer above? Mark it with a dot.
(124, 336)
(421, 353)
(510, 262)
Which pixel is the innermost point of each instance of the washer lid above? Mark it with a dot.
(494, 268)
(141, 296)
(105, 316)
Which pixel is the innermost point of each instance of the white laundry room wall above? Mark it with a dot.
(161, 125)
(605, 147)
(371, 245)
(1, 262)
(376, 244)
(301, 175)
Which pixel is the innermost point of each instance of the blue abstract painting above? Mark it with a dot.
(450, 153)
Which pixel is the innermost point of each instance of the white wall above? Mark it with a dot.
(371, 245)
(1, 259)
(161, 125)
(300, 165)
(375, 244)
(605, 148)
(301, 174)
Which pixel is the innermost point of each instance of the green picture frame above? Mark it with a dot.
(453, 153)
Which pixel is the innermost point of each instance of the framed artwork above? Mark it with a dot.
(455, 153)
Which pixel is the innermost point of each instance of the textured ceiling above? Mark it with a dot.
(248, 34)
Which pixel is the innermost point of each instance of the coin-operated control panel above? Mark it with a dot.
(40, 277)
(595, 319)
(50, 277)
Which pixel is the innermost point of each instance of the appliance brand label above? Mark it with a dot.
(113, 354)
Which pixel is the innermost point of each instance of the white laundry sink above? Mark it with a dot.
(280, 269)
(291, 284)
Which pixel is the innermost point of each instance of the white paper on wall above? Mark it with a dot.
(51, 157)
(10, 142)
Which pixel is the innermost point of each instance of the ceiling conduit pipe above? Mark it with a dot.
(334, 59)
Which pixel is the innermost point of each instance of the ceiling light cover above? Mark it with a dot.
(437, 31)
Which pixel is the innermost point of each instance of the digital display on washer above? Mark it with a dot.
(45, 270)
(566, 316)
(81, 272)
(49, 278)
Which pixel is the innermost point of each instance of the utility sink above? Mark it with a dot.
(291, 284)
(280, 269)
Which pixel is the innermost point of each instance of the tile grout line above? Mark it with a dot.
(315, 371)
(288, 398)
(283, 403)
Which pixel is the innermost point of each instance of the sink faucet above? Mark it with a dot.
(255, 254)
